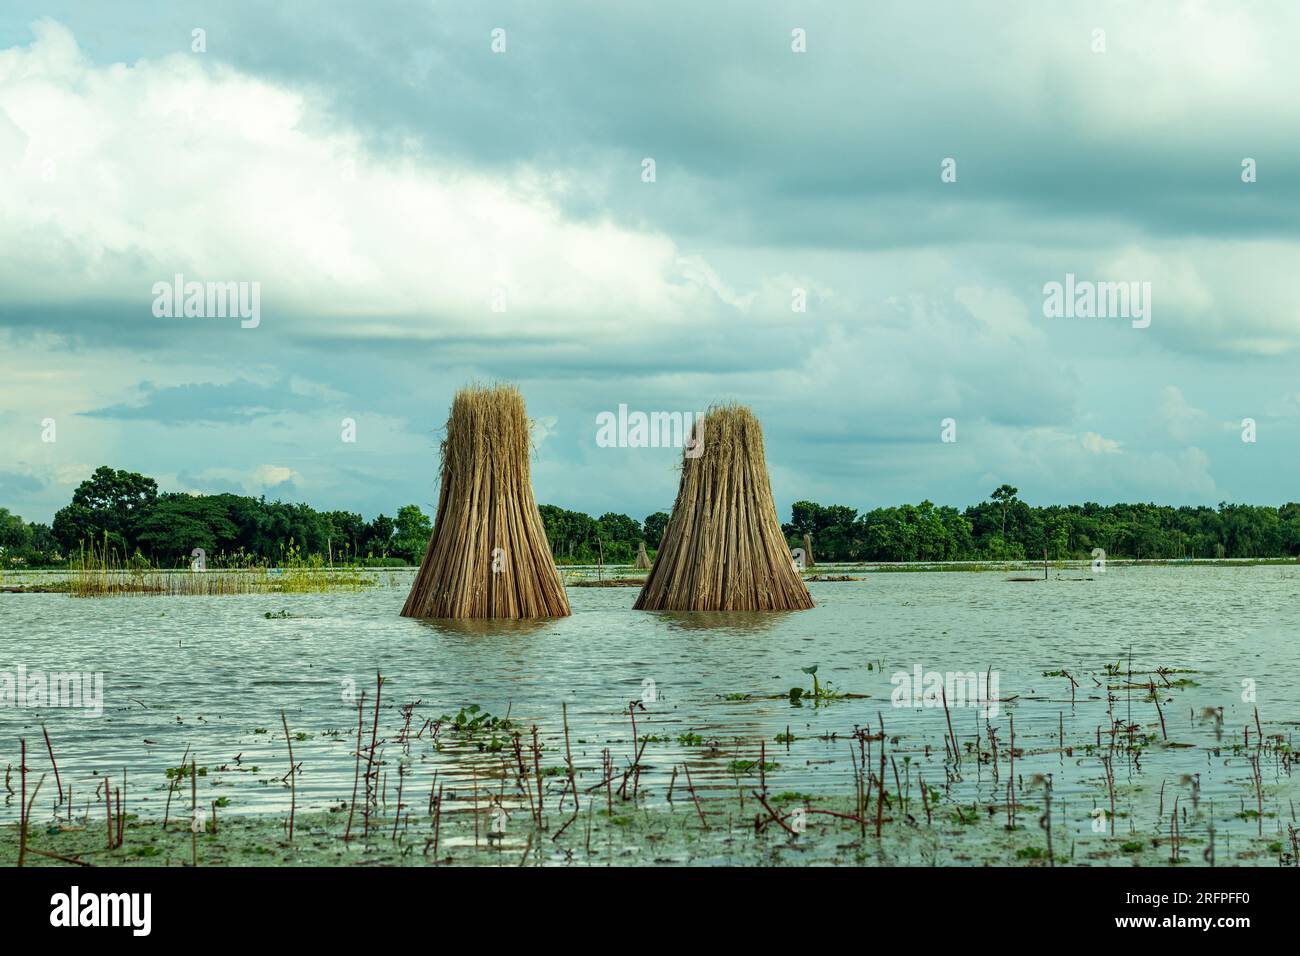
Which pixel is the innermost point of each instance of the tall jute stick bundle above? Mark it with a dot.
(488, 555)
(723, 549)
(642, 559)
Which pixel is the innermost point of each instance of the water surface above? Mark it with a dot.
(212, 674)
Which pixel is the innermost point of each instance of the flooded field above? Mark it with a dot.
(1144, 715)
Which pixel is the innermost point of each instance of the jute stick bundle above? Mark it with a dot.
(642, 559)
(723, 549)
(488, 555)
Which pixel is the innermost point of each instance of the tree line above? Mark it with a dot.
(126, 511)
(1005, 528)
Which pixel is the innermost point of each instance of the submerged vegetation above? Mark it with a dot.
(99, 571)
(473, 788)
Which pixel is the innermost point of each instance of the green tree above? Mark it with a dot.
(1004, 495)
(347, 530)
(619, 536)
(379, 536)
(105, 504)
(655, 525)
(176, 524)
(15, 535)
(572, 535)
(411, 533)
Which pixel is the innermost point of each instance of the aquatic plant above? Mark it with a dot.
(98, 570)
(820, 694)
(979, 836)
(751, 766)
(812, 671)
(471, 719)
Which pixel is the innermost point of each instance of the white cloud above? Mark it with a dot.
(999, 312)
(128, 174)
(540, 429)
(1097, 445)
(271, 475)
(920, 306)
(1183, 422)
(1239, 295)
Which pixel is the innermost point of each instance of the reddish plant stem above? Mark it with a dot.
(194, 813)
(22, 806)
(773, 814)
(691, 786)
(397, 815)
(370, 758)
(956, 756)
(356, 777)
(880, 797)
(108, 811)
(537, 771)
(293, 774)
(59, 783)
(176, 782)
(1011, 776)
(568, 758)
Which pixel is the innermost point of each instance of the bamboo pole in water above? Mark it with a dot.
(488, 555)
(723, 549)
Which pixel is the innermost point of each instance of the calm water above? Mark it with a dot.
(209, 673)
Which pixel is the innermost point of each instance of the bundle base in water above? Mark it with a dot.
(488, 556)
(723, 549)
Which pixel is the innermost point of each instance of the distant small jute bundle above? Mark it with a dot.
(488, 555)
(723, 549)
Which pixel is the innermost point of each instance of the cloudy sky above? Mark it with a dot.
(390, 180)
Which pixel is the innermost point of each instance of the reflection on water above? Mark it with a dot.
(736, 622)
(485, 627)
(212, 674)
